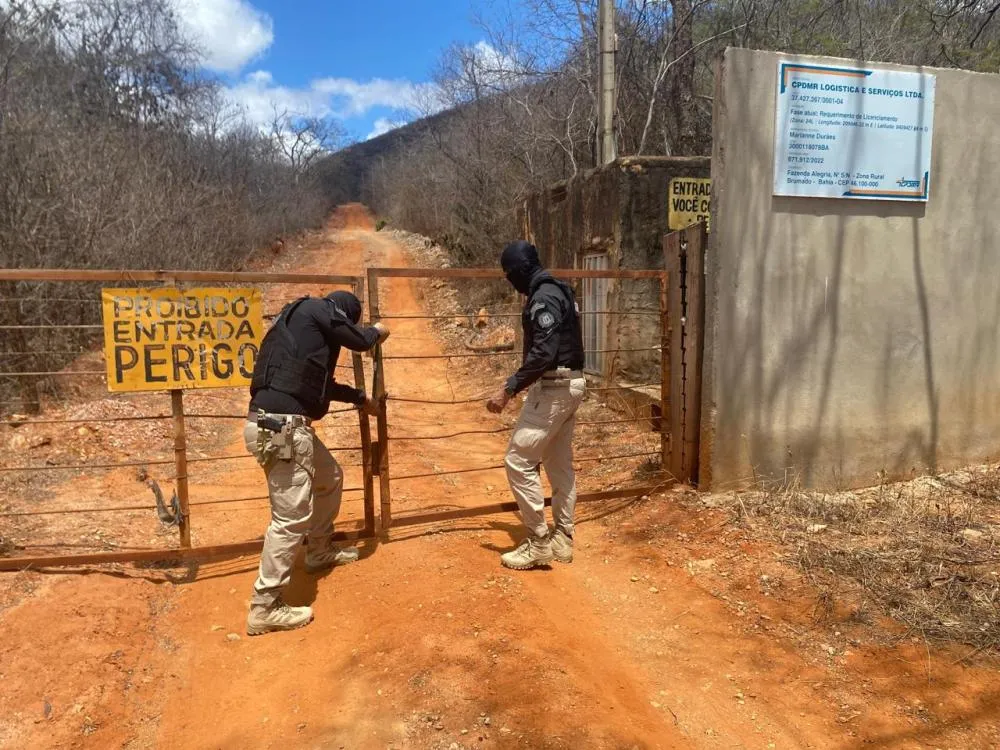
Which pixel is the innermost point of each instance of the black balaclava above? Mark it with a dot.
(347, 304)
(520, 263)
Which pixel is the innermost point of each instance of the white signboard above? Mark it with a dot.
(857, 133)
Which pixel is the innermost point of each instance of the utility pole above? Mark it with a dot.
(607, 46)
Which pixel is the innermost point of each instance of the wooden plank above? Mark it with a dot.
(489, 273)
(694, 346)
(236, 549)
(385, 495)
(368, 482)
(672, 259)
(665, 339)
(61, 274)
(374, 313)
(511, 506)
(379, 393)
(180, 462)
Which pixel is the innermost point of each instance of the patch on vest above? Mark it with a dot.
(546, 319)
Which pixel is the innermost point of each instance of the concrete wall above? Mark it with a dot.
(845, 339)
(620, 209)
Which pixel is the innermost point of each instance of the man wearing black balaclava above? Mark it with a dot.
(293, 385)
(552, 374)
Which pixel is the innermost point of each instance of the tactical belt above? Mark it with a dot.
(560, 377)
(562, 373)
(296, 420)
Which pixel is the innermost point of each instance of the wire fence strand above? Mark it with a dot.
(51, 374)
(471, 355)
(515, 315)
(142, 508)
(103, 420)
(452, 472)
(499, 430)
(480, 399)
(61, 327)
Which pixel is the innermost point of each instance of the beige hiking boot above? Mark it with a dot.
(279, 616)
(562, 546)
(531, 553)
(328, 557)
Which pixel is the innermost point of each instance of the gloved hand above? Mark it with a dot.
(383, 331)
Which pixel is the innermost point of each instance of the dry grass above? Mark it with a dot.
(924, 552)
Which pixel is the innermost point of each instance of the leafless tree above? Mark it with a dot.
(115, 152)
(523, 105)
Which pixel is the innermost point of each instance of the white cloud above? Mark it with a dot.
(230, 33)
(258, 95)
(382, 126)
(352, 98)
(495, 67)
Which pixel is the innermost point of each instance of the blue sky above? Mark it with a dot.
(366, 63)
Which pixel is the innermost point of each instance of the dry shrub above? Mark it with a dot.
(924, 552)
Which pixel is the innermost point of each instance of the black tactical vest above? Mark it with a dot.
(280, 368)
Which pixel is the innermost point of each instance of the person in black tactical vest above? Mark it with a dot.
(293, 384)
(552, 374)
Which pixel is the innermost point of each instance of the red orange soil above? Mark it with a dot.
(662, 634)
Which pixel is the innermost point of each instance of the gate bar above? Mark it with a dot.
(489, 273)
(366, 429)
(379, 393)
(81, 275)
(235, 549)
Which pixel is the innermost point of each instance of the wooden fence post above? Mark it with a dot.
(382, 421)
(685, 261)
(368, 482)
(665, 383)
(694, 346)
(180, 462)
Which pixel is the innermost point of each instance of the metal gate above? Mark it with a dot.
(677, 327)
(592, 278)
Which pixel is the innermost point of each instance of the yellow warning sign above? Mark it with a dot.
(165, 338)
(690, 202)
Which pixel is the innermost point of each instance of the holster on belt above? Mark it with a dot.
(274, 439)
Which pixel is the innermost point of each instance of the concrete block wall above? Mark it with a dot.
(848, 341)
(620, 209)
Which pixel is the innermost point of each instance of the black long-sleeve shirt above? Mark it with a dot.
(319, 333)
(551, 333)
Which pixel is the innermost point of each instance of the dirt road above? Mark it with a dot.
(660, 635)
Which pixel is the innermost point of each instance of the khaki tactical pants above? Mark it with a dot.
(305, 498)
(544, 437)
